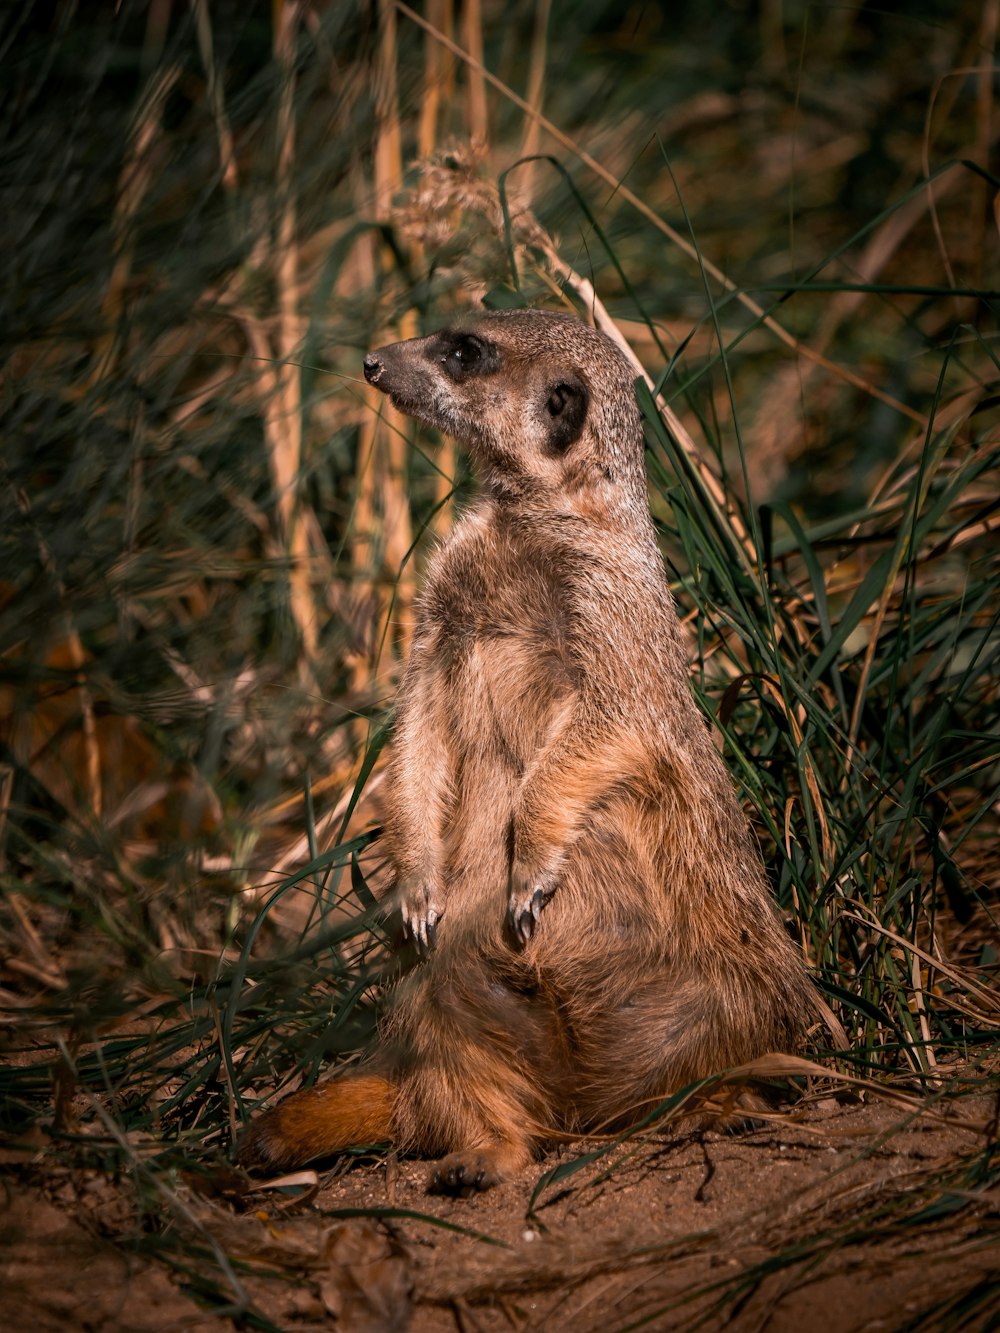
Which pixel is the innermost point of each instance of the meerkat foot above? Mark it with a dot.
(524, 908)
(474, 1170)
(422, 910)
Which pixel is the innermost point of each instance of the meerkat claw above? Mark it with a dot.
(524, 913)
(420, 928)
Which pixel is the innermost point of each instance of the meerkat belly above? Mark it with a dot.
(501, 630)
(505, 692)
(500, 613)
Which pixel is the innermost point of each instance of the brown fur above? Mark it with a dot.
(322, 1120)
(548, 754)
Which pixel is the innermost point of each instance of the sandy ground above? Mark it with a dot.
(678, 1234)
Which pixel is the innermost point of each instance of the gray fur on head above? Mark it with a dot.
(541, 400)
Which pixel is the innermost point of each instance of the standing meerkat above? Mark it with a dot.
(569, 853)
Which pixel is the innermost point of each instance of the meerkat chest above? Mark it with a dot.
(499, 617)
(490, 593)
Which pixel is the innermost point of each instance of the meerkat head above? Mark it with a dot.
(541, 401)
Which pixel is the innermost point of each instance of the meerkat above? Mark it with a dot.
(569, 854)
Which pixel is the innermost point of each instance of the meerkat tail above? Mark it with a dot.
(342, 1113)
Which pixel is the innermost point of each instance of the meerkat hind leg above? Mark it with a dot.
(477, 1169)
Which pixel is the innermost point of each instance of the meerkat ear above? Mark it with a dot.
(566, 403)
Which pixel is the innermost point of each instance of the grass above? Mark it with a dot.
(212, 534)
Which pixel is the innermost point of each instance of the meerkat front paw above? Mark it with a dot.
(422, 907)
(529, 893)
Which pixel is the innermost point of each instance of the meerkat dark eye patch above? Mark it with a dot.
(566, 407)
(465, 354)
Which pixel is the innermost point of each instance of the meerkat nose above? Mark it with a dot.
(373, 368)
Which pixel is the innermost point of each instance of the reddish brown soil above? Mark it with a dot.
(673, 1235)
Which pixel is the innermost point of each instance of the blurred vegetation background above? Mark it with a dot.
(212, 532)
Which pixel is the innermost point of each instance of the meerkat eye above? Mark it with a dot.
(465, 355)
(469, 351)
